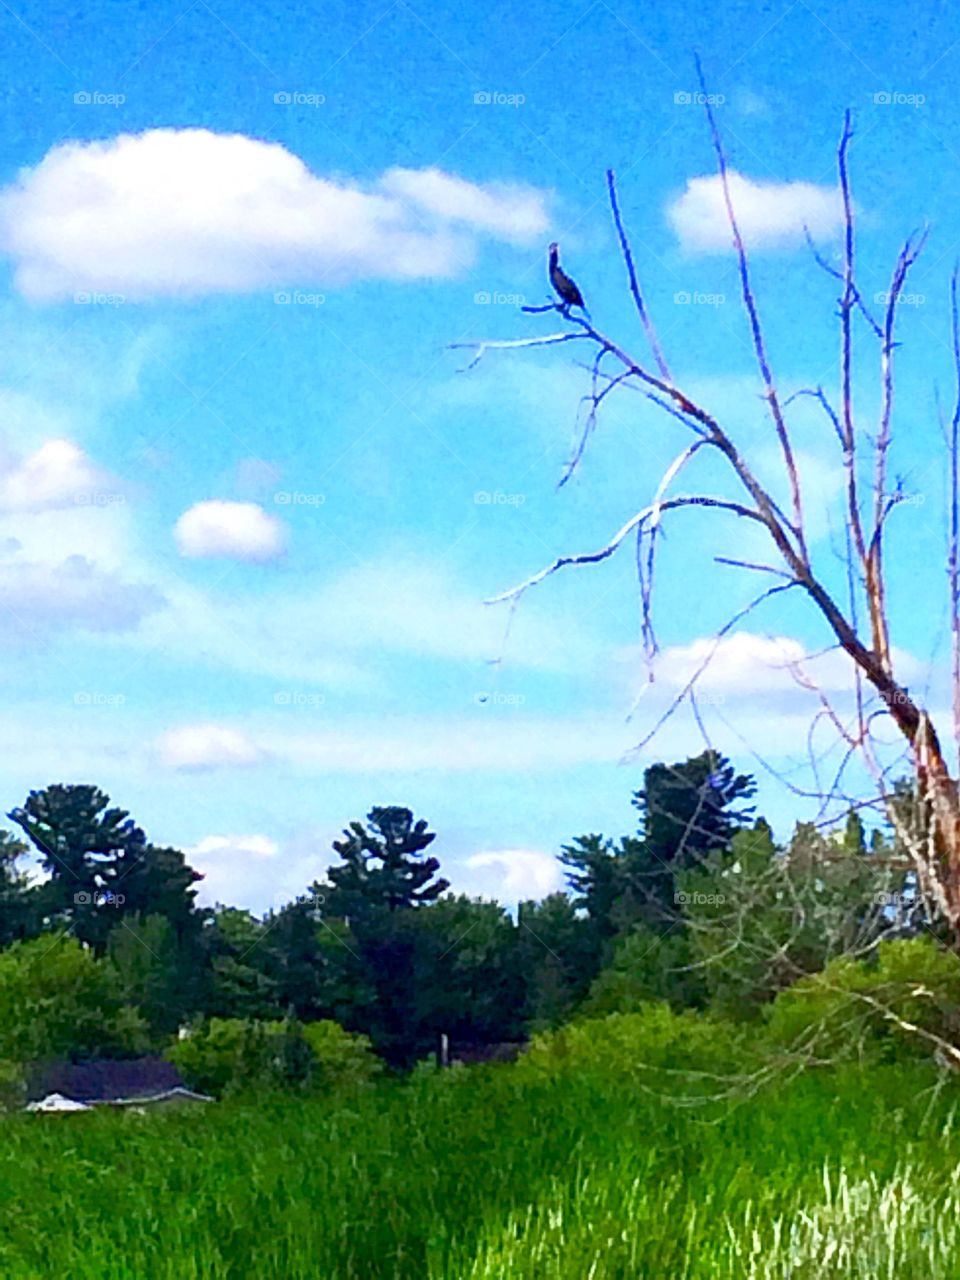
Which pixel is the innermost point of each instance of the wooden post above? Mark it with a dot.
(443, 1050)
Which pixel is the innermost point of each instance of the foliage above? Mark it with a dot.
(646, 966)
(19, 917)
(873, 1009)
(639, 1046)
(100, 865)
(381, 868)
(58, 1001)
(340, 1058)
(762, 918)
(233, 1055)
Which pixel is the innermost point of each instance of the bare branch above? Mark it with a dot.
(634, 282)
(753, 315)
(593, 557)
(510, 344)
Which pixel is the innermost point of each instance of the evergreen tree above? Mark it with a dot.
(85, 846)
(381, 869)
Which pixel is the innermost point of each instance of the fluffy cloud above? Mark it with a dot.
(58, 474)
(769, 214)
(183, 212)
(205, 746)
(748, 664)
(75, 592)
(238, 870)
(235, 530)
(515, 875)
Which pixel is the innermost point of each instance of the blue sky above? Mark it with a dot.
(249, 504)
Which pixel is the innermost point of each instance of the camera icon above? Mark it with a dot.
(82, 99)
(282, 99)
(883, 99)
(682, 99)
(682, 298)
(82, 898)
(282, 298)
(482, 299)
(482, 99)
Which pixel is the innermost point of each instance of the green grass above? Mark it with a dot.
(494, 1173)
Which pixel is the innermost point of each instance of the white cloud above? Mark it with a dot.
(183, 212)
(749, 664)
(235, 530)
(769, 214)
(502, 209)
(57, 474)
(232, 846)
(205, 746)
(74, 592)
(518, 874)
(237, 870)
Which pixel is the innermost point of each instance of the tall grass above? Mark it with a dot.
(494, 1173)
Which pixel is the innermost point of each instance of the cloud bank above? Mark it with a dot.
(188, 212)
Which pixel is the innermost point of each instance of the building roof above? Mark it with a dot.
(106, 1080)
(57, 1102)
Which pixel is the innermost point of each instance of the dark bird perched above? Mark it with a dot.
(570, 295)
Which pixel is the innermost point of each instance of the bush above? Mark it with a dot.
(641, 1046)
(340, 1058)
(234, 1055)
(58, 1001)
(858, 1008)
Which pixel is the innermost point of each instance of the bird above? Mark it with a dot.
(570, 294)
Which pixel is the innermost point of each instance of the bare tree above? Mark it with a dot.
(859, 624)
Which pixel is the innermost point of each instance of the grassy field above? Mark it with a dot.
(494, 1172)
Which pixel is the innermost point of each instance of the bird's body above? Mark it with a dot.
(566, 288)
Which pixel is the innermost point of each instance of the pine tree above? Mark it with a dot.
(381, 869)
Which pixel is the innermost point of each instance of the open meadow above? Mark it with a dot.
(483, 1173)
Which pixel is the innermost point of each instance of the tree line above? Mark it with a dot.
(698, 907)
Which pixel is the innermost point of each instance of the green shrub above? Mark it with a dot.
(885, 1008)
(340, 1058)
(57, 1000)
(652, 1046)
(233, 1055)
